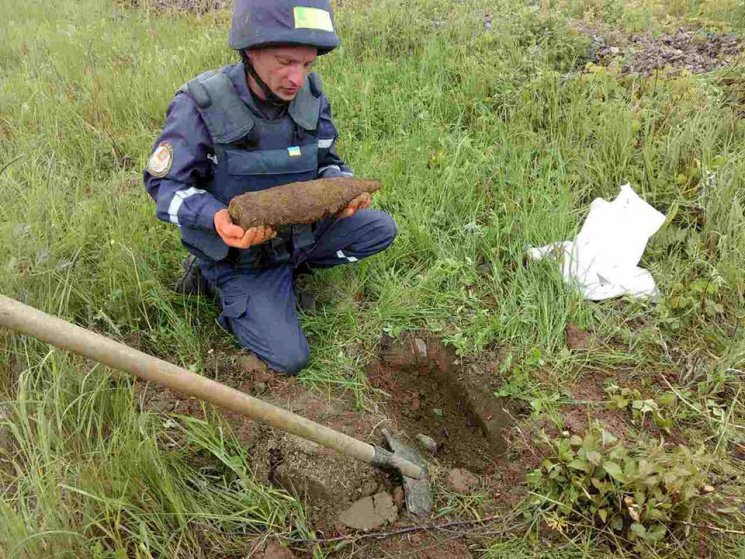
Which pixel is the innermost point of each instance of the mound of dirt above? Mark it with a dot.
(692, 49)
(325, 481)
(297, 202)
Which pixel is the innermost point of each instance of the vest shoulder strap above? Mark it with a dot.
(316, 85)
(227, 117)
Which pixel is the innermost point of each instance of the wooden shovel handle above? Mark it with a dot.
(64, 335)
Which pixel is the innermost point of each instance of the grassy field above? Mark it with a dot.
(487, 142)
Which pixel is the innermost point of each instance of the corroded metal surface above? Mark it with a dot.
(297, 202)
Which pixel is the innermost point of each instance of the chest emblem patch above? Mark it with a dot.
(294, 151)
(161, 160)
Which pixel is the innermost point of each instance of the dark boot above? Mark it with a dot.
(191, 281)
(304, 298)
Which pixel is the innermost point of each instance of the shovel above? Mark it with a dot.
(64, 335)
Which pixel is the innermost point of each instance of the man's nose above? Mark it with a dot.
(297, 76)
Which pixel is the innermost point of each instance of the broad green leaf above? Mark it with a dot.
(638, 529)
(645, 406)
(667, 398)
(669, 478)
(645, 468)
(594, 457)
(579, 464)
(630, 469)
(656, 514)
(640, 497)
(535, 477)
(618, 453)
(656, 533)
(619, 402)
(614, 471)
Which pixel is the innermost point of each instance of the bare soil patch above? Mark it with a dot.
(576, 338)
(422, 546)
(428, 392)
(693, 49)
(325, 481)
(423, 389)
(271, 550)
(590, 393)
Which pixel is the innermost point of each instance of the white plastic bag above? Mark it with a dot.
(603, 260)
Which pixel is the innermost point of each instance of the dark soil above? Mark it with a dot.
(297, 202)
(692, 49)
(417, 378)
(430, 394)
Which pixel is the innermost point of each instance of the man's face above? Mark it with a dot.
(283, 69)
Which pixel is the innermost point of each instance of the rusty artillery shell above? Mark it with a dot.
(297, 202)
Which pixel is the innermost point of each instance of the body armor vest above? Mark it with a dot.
(253, 153)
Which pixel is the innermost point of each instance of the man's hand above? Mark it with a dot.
(360, 203)
(235, 236)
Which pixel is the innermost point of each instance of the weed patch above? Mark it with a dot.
(629, 496)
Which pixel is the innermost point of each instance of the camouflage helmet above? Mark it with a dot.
(262, 23)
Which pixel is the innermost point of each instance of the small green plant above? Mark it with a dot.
(659, 409)
(701, 295)
(518, 376)
(596, 482)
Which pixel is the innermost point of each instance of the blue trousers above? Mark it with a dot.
(258, 304)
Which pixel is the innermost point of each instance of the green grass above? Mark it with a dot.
(486, 143)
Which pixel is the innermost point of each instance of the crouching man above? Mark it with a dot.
(250, 126)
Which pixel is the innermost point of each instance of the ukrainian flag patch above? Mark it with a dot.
(294, 151)
(312, 18)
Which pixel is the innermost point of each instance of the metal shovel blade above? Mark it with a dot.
(416, 491)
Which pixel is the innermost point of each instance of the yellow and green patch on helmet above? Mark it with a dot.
(312, 18)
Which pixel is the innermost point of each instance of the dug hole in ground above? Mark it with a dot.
(431, 400)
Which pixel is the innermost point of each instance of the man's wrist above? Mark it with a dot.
(207, 217)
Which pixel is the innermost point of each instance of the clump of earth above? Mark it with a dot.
(692, 49)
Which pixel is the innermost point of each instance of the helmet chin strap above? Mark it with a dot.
(271, 97)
